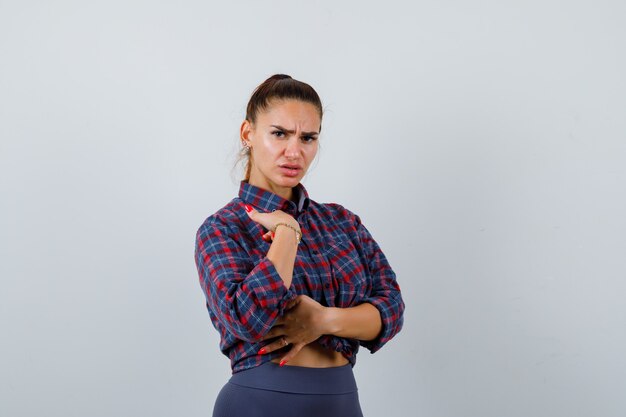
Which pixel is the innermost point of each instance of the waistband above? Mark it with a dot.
(298, 379)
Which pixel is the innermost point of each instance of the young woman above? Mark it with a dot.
(293, 286)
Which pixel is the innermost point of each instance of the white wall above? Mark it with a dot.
(483, 143)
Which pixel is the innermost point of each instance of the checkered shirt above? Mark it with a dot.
(338, 263)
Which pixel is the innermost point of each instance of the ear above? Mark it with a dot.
(244, 131)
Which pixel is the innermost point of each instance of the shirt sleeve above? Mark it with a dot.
(385, 294)
(245, 296)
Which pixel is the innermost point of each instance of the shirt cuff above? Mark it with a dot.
(268, 288)
(391, 318)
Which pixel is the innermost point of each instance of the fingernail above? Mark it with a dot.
(247, 207)
(282, 363)
(273, 235)
(262, 351)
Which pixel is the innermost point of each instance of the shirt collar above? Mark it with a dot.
(267, 201)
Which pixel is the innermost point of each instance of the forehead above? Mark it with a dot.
(291, 113)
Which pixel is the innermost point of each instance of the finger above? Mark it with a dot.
(292, 353)
(291, 304)
(266, 236)
(255, 215)
(259, 217)
(274, 332)
(276, 345)
(249, 209)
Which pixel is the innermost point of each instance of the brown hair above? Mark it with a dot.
(278, 87)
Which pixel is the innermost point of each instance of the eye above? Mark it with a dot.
(308, 139)
(278, 133)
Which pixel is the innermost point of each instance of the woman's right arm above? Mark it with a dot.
(246, 294)
(284, 247)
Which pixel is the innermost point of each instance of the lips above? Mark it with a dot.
(291, 166)
(290, 170)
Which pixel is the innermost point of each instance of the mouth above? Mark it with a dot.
(290, 170)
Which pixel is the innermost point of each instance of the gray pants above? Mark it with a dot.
(271, 391)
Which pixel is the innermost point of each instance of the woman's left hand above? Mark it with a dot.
(301, 324)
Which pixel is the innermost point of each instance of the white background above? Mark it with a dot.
(482, 143)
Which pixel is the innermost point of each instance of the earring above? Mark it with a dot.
(246, 147)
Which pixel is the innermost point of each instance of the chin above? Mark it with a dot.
(289, 181)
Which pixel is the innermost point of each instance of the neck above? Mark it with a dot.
(284, 192)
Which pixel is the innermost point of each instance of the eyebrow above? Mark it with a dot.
(293, 131)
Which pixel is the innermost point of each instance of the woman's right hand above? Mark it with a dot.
(270, 220)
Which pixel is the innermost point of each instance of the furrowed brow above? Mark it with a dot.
(292, 131)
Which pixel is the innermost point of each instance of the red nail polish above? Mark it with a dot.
(247, 207)
(273, 234)
(282, 363)
(262, 351)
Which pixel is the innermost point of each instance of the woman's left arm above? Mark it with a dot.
(385, 294)
(305, 320)
(373, 322)
(362, 322)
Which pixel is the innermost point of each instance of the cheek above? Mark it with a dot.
(310, 153)
(271, 147)
(265, 150)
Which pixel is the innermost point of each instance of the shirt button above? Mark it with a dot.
(327, 285)
(315, 251)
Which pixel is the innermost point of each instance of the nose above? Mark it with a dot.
(292, 150)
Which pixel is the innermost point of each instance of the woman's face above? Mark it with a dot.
(283, 143)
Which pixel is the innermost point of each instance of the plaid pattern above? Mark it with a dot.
(338, 264)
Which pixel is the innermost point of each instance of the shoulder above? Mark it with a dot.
(338, 211)
(337, 214)
(224, 219)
